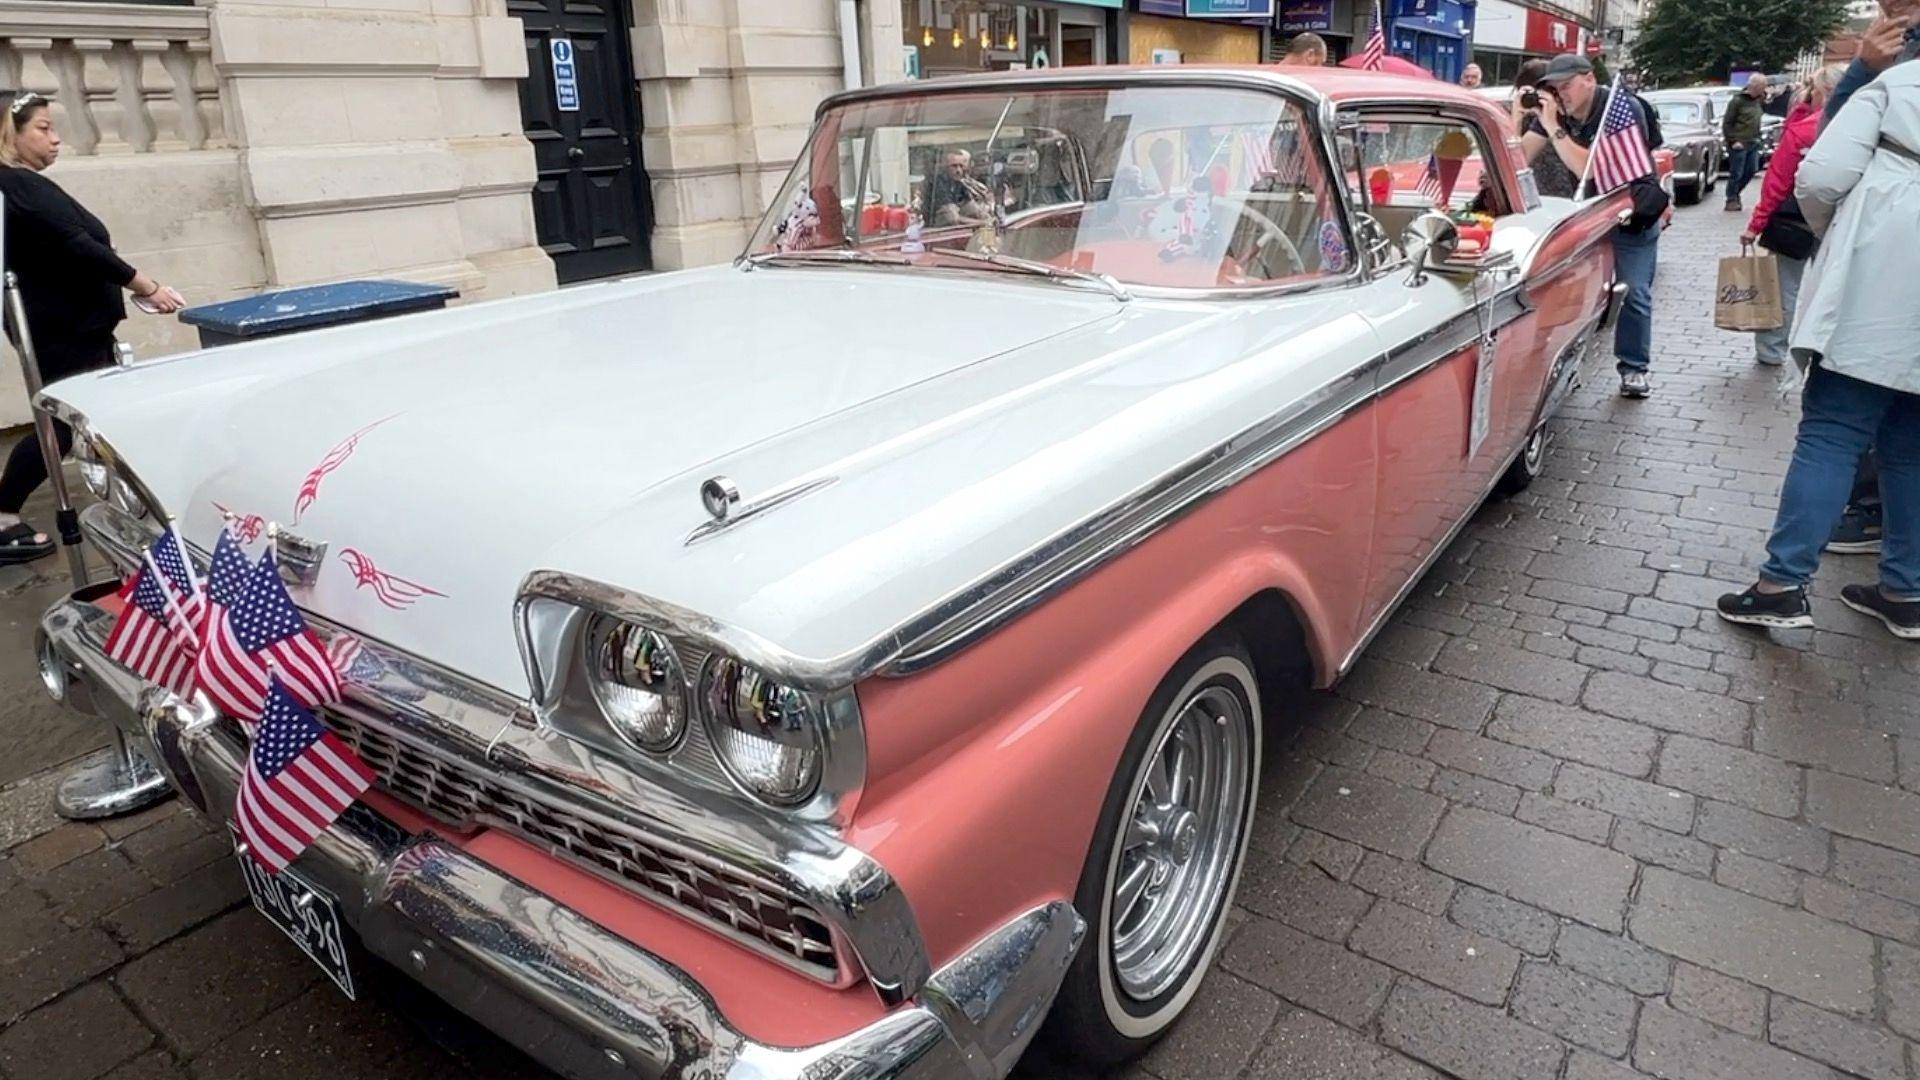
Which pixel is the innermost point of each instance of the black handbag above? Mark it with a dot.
(1788, 234)
(1650, 202)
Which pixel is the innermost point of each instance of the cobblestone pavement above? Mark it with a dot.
(1561, 823)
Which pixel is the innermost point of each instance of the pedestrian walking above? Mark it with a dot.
(70, 284)
(1860, 187)
(1573, 108)
(1741, 130)
(1777, 223)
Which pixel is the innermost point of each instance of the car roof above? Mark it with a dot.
(1338, 85)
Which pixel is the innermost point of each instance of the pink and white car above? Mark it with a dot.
(858, 660)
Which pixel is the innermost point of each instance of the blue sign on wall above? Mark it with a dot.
(1299, 16)
(1230, 9)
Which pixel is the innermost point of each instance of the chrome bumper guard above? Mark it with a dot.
(573, 995)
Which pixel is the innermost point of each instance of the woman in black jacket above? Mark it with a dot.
(70, 282)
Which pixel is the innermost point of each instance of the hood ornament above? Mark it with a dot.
(721, 497)
(718, 495)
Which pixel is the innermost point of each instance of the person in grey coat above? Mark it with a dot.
(1856, 327)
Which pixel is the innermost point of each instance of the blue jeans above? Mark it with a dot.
(1840, 417)
(1770, 346)
(1742, 167)
(1635, 258)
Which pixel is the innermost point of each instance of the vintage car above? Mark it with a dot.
(1690, 122)
(840, 662)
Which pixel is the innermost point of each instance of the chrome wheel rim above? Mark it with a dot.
(1536, 450)
(1181, 845)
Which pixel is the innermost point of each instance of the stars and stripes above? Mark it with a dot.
(234, 681)
(145, 638)
(189, 606)
(269, 631)
(299, 779)
(1620, 154)
(1431, 188)
(1374, 56)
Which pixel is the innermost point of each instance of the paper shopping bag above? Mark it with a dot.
(1748, 298)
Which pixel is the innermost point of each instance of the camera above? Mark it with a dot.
(1529, 99)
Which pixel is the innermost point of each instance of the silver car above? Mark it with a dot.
(1690, 122)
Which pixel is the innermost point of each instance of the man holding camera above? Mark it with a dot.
(1572, 107)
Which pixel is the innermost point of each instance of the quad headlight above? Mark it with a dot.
(98, 472)
(640, 686)
(766, 735)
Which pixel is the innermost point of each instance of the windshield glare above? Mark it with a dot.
(1120, 181)
(1678, 112)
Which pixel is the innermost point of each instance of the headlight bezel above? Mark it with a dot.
(614, 645)
(733, 694)
(103, 472)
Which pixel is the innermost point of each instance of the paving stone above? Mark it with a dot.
(1676, 1047)
(1814, 959)
(1655, 804)
(30, 923)
(1525, 928)
(167, 912)
(1575, 734)
(1578, 1009)
(1333, 748)
(1407, 644)
(1662, 848)
(1391, 731)
(1840, 1042)
(1769, 881)
(1585, 1066)
(1613, 959)
(361, 1040)
(1901, 976)
(1302, 896)
(1397, 768)
(199, 988)
(1802, 847)
(1793, 737)
(36, 978)
(26, 809)
(1311, 973)
(119, 828)
(1886, 816)
(1476, 791)
(1308, 1047)
(158, 1065)
(57, 848)
(1683, 616)
(1466, 1040)
(79, 1037)
(1732, 775)
(1405, 882)
(93, 884)
(1512, 669)
(1593, 826)
(1369, 812)
(1437, 951)
(1495, 760)
(1530, 864)
(1875, 914)
(1219, 1034)
(1606, 600)
(1337, 857)
(1424, 695)
(1712, 996)
(1669, 708)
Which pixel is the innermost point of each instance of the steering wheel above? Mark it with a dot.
(1269, 230)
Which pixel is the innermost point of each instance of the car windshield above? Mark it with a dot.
(1159, 186)
(1677, 112)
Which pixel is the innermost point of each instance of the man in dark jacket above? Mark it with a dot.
(1741, 128)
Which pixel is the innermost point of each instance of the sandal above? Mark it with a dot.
(17, 545)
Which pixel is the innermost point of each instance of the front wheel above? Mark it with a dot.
(1688, 194)
(1525, 468)
(1165, 859)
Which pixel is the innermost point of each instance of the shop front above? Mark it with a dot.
(1199, 31)
(1433, 34)
(1506, 35)
(963, 37)
(1333, 20)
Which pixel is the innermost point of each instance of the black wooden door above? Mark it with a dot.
(590, 203)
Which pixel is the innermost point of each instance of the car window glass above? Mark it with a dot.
(1172, 186)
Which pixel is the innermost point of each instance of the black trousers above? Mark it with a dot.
(26, 466)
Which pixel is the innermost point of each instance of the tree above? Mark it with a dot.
(1686, 41)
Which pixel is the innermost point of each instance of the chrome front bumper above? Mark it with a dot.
(575, 996)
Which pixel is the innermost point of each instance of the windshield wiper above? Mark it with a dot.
(816, 255)
(1046, 270)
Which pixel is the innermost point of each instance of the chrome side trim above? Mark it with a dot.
(995, 1016)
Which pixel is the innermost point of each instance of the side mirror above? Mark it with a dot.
(1430, 241)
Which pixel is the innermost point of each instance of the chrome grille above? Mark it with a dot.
(749, 910)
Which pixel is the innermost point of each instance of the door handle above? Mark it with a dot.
(574, 153)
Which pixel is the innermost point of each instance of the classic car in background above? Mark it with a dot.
(836, 663)
(1690, 123)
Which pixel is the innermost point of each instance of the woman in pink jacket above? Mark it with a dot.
(1777, 224)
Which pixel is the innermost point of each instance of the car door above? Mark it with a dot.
(1459, 377)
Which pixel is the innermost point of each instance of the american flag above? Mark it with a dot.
(1620, 154)
(1258, 151)
(144, 638)
(299, 779)
(270, 637)
(1430, 187)
(1374, 56)
(173, 562)
(234, 680)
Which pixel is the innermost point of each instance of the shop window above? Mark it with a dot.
(960, 37)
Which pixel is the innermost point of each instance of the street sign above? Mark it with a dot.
(566, 82)
(1229, 9)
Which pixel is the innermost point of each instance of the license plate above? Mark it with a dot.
(305, 914)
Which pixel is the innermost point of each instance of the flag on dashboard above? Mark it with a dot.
(145, 637)
(269, 637)
(1258, 152)
(1374, 56)
(1620, 154)
(1430, 185)
(234, 680)
(299, 779)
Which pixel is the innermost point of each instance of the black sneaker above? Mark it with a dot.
(1857, 534)
(1733, 205)
(1777, 611)
(1902, 617)
(1634, 384)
